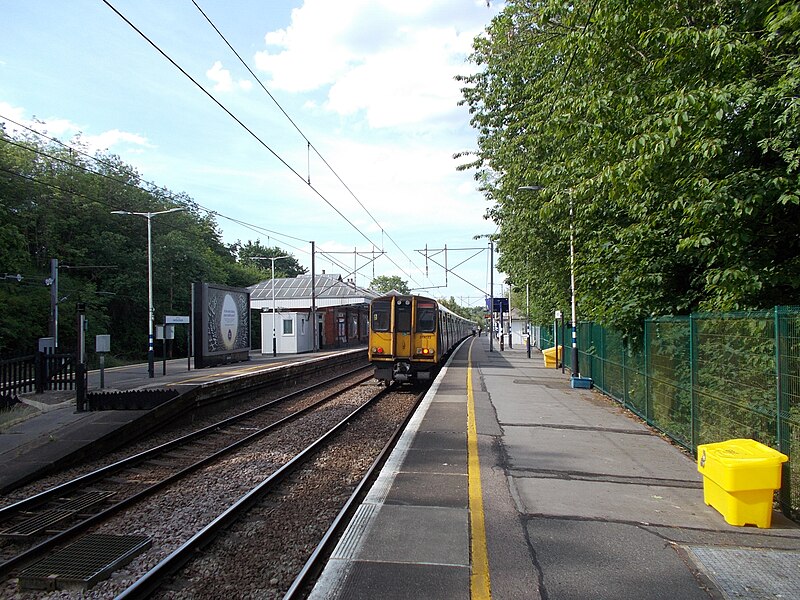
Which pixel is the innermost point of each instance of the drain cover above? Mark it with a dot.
(755, 574)
(83, 563)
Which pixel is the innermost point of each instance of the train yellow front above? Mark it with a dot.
(409, 336)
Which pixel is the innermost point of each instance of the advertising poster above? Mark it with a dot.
(222, 324)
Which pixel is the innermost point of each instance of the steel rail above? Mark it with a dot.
(62, 537)
(9, 511)
(315, 562)
(151, 581)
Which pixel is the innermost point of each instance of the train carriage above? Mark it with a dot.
(410, 336)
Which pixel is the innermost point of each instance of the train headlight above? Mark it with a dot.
(377, 350)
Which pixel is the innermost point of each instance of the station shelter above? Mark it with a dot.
(342, 313)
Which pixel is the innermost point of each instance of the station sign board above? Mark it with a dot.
(176, 320)
(500, 304)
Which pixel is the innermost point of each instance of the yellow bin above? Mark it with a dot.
(739, 479)
(550, 359)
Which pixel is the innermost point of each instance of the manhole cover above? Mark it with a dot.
(83, 563)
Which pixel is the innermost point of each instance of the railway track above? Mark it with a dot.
(35, 525)
(272, 540)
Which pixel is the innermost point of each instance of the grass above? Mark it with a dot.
(16, 414)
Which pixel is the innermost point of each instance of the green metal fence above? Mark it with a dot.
(705, 378)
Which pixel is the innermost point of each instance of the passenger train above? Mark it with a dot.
(409, 336)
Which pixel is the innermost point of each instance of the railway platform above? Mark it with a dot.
(50, 430)
(509, 484)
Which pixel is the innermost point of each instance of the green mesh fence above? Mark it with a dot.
(705, 378)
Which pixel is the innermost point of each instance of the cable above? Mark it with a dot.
(106, 203)
(308, 142)
(154, 188)
(245, 127)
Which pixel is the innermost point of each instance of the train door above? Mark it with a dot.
(402, 328)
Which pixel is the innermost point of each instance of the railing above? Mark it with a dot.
(705, 378)
(36, 373)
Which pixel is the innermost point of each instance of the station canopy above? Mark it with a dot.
(294, 293)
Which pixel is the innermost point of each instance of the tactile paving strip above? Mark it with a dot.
(751, 573)
(83, 563)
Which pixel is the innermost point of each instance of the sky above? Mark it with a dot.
(361, 101)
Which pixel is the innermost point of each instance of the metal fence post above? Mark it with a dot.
(781, 409)
(39, 371)
(648, 395)
(779, 400)
(80, 387)
(692, 383)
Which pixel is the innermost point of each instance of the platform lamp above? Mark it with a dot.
(575, 369)
(150, 315)
(272, 259)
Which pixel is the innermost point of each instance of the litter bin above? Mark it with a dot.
(550, 359)
(739, 479)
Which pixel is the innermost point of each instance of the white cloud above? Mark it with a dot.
(11, 112)
(223, 80)
(395, 62)
(66, 130)
(114, 138)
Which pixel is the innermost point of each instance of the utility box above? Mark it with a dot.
(102, 343)
(550, 359)
(740, 477)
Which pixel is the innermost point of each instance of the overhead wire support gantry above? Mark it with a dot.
(430, 253)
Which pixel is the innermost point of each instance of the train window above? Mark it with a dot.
(381, 315)
(426, 317)
(402, 316)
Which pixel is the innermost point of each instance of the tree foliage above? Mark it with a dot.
(388, 283)
(255, 255)
(57, 203)
(669, 131)
(473, 313)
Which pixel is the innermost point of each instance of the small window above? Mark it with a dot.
(426, 316)
(288, 327)
(402, 315)
(381, 315)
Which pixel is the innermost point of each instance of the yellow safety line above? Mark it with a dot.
(480, 584)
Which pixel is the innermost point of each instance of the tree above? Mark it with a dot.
(252, 254)
(388, 283)
(473, 313)
(57, 202)
(664, 137)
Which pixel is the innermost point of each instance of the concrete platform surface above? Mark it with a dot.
(578, 499)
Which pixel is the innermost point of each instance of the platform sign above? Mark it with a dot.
(500, 304)
(176, 320)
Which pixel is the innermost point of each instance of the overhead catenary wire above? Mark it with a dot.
(154, 191)
(245, 127)
(310, 146)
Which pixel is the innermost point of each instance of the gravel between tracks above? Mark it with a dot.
(173, 516)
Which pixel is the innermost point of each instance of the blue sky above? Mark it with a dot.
(370, 83)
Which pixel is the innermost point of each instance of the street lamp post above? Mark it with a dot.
(575, 367)
(576, 372)
(150, 315)
(272, 259)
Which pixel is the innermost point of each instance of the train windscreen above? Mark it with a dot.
(381, 315)
(402, 316)
(426, 316)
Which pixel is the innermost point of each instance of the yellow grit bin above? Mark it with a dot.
(740, 477)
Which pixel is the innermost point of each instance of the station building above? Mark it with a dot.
(342, 313)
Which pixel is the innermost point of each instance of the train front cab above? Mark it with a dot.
(403, 338)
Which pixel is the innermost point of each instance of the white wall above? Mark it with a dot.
(299, 340)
